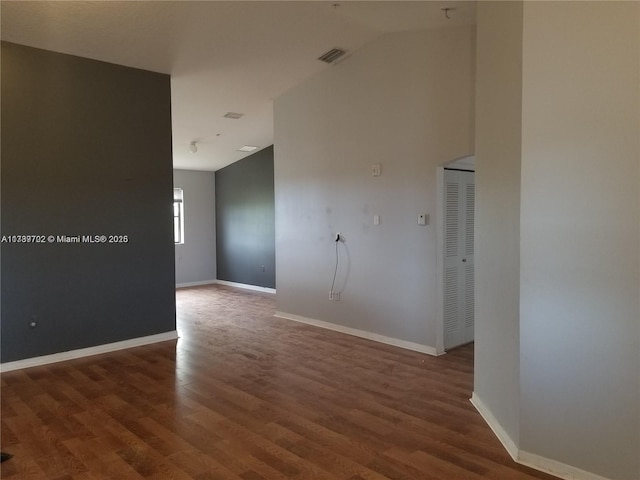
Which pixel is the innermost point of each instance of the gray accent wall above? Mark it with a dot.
(245, 221)
(196, 257)
(86, 150)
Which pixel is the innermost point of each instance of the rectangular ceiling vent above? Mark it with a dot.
(332, 55)
(248, 148)
(233, 115)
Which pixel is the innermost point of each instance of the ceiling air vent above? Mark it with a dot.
(233, 115)
(332, 55)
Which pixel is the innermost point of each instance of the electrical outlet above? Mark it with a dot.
(262, 268)
(334, 296)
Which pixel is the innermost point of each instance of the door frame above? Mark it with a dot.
(466, 162)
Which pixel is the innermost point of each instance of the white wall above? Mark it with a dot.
(405, 101)
(580, 314)
(196, 258)
(558, 375)
(497, 249)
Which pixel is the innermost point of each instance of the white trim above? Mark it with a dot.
(553, 467)
(87, 352)
(246, 287)
(494, 424)
(228, 284)
(195, 284)
(542, 464)
(440, 260)
(464, 162)
(416, 347)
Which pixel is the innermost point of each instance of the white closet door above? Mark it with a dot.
(459, 206)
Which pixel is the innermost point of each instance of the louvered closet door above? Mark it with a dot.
(459, 205)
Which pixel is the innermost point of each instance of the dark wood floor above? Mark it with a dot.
(244, 395)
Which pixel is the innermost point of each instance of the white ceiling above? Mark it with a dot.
(231, 56)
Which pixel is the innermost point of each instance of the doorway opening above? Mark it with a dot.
(456, 266)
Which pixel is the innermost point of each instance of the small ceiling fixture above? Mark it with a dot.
(248, 148)
(193, 147)
(233, 115)
(332, 55)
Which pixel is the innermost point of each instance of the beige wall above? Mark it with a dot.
(405, 101)
(497, 259)
(580, 395)
(558, 376)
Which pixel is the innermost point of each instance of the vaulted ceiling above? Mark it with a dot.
(223, 56)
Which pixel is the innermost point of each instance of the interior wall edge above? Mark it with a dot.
(537, 462)
(488, 416)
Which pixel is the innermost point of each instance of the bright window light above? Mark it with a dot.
(178, 216)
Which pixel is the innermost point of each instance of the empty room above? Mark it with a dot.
(405, 240)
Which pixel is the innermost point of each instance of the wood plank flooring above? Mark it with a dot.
(246, 396)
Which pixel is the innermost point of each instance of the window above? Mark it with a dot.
(178, 216)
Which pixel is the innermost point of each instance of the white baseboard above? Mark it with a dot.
(542, 464)
(246, 287)
(416, 347)
(559, 469)
(87, 352)
(493, 423)
(195, 284)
